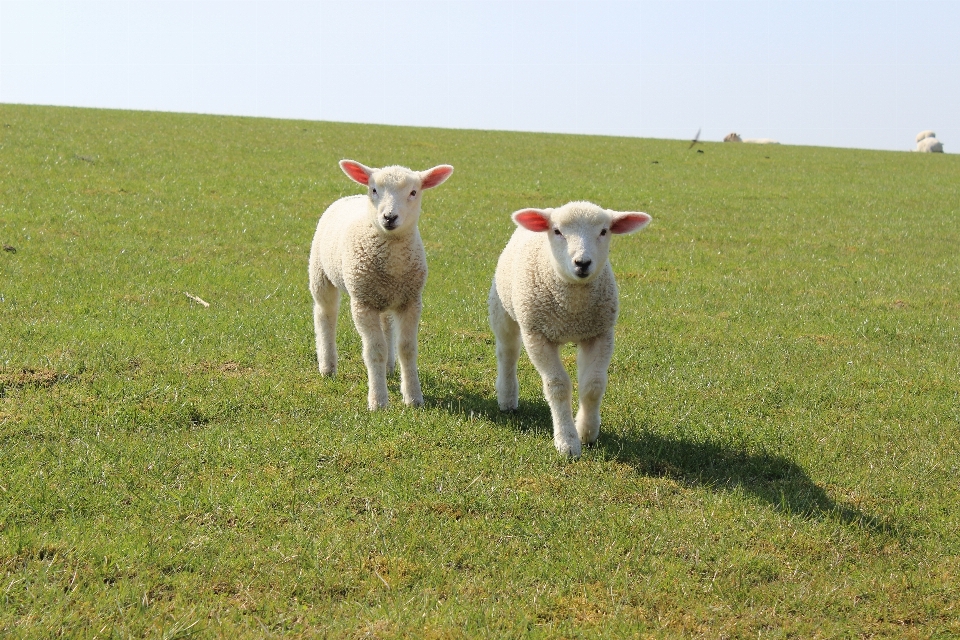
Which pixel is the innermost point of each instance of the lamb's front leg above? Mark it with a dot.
(545, 356)
(367, 320)
(389, 325)
(409, 322)
(593, 360)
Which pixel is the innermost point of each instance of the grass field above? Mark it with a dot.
(781, 440)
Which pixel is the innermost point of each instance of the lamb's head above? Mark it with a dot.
(579, 235)
(395, 192)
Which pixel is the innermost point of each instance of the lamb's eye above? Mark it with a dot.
(413, 193)
(373, 190)
(604, 232)
(556, 232)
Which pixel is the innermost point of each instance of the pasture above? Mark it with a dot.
(780, 446)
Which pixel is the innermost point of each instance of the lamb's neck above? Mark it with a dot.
(574, 296)
(393, 239)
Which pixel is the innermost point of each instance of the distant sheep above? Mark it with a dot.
(369, 246)
(930, 145)
(554, 285)
(735, 137)
(927, 142)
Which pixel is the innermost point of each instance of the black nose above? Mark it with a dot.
(582, 267)
(391, 218)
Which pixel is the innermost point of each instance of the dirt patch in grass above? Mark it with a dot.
(39, 378)
(229, 369)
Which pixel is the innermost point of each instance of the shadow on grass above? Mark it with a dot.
(530, 417)
(773, 479)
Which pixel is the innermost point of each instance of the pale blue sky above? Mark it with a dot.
(867, 73)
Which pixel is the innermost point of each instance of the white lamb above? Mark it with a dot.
(735, 137)
(369, 246)
(927, 142)
(554, 285)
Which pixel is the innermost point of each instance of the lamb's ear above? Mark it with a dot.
(435, 177)
(628, 221)
(533, 219)
(356, 171)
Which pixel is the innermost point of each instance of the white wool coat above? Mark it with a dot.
(384, 274)
(930, 145)
(539, 300)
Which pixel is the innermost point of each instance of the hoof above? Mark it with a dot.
(588, 430)
(590, 439)
(568, 449)
(375, 405)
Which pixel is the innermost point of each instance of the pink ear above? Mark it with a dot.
(436, 176)
(356, 171)
(532, 219)
(629, 222)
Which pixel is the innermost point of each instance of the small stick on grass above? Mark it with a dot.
(386, 584)
(197, 299)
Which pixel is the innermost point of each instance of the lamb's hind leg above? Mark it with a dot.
(545, 356)
(374, 353)
(593, 360)
(326, 305)
(507, 333)
(409, 322)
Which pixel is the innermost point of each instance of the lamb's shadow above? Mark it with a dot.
(773, 479)
(530, 417)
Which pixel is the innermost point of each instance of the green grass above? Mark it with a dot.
(780, 449)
